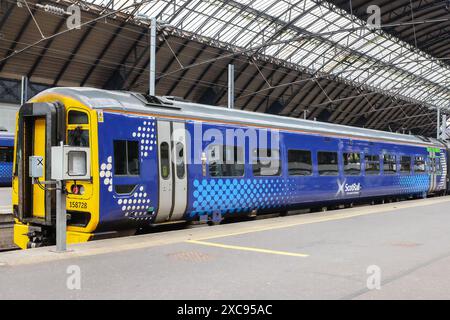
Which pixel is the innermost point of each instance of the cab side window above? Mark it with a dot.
(126, 158)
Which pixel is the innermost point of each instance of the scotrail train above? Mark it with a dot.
(154, 160)
(6, 158)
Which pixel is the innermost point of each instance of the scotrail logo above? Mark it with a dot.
(345, 189)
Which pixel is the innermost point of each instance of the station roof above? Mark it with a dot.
(306, 58)
(429, 33)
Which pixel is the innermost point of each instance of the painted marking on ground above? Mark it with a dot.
(241, 248)
(380, 209)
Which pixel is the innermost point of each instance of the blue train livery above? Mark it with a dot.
(156, 160)
(6, 158)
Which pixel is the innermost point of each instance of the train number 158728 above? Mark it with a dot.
(78, 205)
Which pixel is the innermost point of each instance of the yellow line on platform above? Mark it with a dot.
(227, 246)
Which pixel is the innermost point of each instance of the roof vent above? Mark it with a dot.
(154, 102)
(145, 98)
(175, 98)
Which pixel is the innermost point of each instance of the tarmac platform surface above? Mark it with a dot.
(329, 255)
(6, 220)
(5, 200)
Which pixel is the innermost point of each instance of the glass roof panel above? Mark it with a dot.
(336, 42)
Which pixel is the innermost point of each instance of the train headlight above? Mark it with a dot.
(77, 189)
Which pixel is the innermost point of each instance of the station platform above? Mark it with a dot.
(5, 200)
(324, 255)
(6, 220)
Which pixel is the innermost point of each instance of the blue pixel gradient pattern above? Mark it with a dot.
(414, 183)
(238, 195)
(5, 173)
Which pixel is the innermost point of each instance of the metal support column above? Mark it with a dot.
(444, 127)
(61, 216)
(24, 90)
(230, 86)
(438, 126)
(152, 77)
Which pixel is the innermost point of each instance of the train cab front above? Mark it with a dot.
(53, 143)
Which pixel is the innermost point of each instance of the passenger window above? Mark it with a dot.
(165, 160)
(180, 165)
(77, 117)
(266, 162)
(352, 164)
(419, 165)
(328, 163)
(299, 163)
(226, 161)
(6, 154)
(405, 164)
(126, 157)
(372, 164)
(389, 164)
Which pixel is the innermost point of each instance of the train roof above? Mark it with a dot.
(164, 106)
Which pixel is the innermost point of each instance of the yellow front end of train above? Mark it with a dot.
(41, 124)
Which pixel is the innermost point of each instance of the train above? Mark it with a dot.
(155, 160)
(6, 158)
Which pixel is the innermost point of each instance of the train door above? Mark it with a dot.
(179, 170)
(433, 177)
(172, 171)
(40, 126)
(165, 172)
